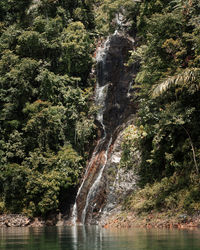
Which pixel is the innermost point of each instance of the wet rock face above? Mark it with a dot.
(120, 181)
(117, 182)
(88, 181)
(120, 78)
(113, 92)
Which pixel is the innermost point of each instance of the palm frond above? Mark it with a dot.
(185, 78)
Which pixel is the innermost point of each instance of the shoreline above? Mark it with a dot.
(151, 220)
(19, 220)
(117, 220)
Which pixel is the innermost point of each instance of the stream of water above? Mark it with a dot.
(95, 185)
(100, 97)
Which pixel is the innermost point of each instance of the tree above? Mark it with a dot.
(47, 117)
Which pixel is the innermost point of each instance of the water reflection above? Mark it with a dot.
(96, 238)
(86, 237)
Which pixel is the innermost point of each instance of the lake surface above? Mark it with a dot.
(94, 237)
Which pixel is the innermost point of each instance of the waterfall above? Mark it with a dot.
(74, 210)
(95, 185)
(129, 89)
(100, 97)
(112, 97)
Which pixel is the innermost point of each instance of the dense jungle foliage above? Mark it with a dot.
(47, 117)
(47, 113)
(167, 133)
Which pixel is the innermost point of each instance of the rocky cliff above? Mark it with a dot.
(104, 184)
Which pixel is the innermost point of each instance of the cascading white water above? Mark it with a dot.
(95, 185)
(74, 210)
(107, 66)
(100, 97)
(129, 89)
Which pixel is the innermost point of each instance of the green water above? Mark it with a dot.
(92, 238)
